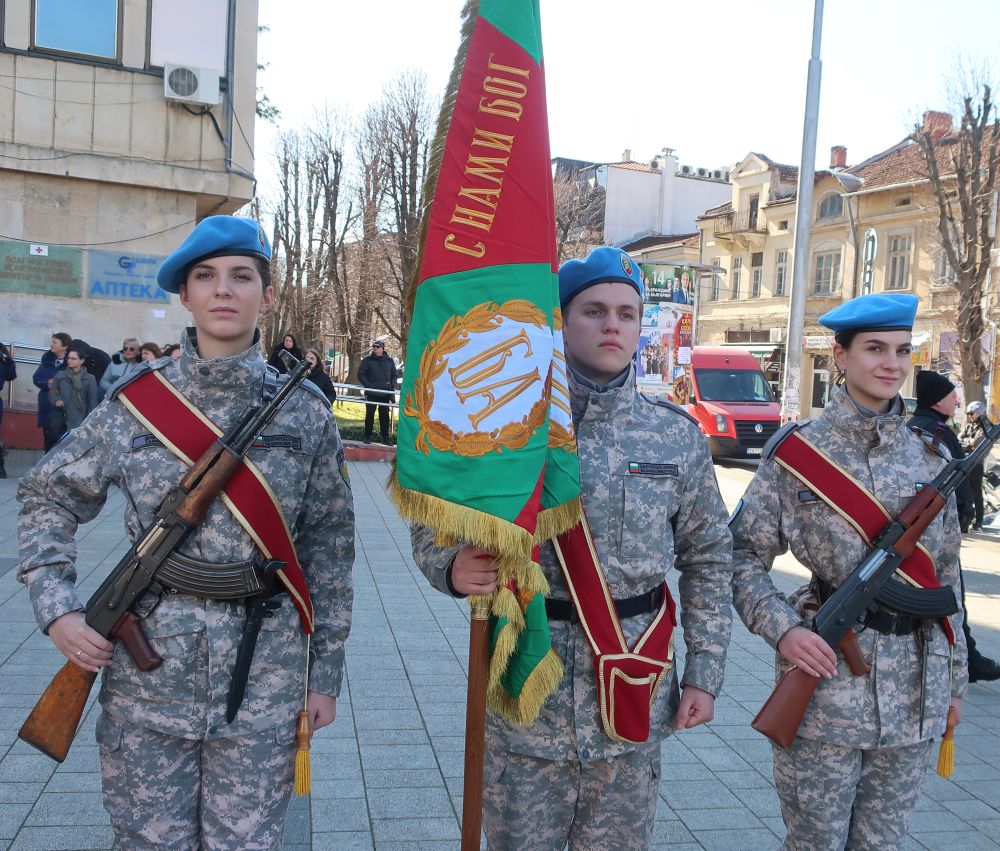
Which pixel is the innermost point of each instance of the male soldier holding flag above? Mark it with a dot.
(652, 503)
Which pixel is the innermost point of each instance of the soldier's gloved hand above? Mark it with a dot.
(806, 650)
(473, 571)
(79, 643)
(697, 707)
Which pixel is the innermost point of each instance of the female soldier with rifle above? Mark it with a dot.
(197, 739)
(824, 489)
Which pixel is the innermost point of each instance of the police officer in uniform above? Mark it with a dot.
(175, 774)
(854, 772)
(653, 504)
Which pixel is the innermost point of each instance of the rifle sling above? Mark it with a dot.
(187, 432)
(856, 504)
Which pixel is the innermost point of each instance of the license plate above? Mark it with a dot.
(754, 451)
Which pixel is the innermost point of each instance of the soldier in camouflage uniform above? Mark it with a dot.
(175, 774)
(562, 779)
(854, 772)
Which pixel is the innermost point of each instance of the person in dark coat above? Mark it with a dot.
(77, 393)
(52, 361)
(970, 436)
(377, 374)
(95, 360)
(937, 401)
(318, 376)
(8, 372)
(290, 345)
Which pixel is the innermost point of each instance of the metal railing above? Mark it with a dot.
(746, 221)
(21, 394)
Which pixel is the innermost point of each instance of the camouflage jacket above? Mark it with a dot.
(779, 513)
(643, 524)
(198, 638)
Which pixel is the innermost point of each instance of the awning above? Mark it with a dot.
(755, 348)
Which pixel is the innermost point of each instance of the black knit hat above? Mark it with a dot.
(932, 387)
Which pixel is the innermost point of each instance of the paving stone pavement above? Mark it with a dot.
(388, 773)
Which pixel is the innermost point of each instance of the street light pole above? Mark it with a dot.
(790, 407)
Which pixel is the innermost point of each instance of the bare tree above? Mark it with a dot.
(312, 215)
(963, 170)
(407, 113)
(579, 212)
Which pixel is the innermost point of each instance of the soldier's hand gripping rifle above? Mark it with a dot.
(152, 563)
(869, 583)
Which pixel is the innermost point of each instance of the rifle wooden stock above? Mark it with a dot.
(852, 654)
(475, 726)
(52, 724)
(780, 716)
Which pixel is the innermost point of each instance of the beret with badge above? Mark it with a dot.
(604, 265)
(216, 236)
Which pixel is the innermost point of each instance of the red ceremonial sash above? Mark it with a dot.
(188, 433)
(856, 504)
(627, 681)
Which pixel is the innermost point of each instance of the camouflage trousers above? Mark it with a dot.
(533, 804)
(834, 797)
(165, 792)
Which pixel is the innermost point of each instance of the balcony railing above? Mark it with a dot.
(746, 221)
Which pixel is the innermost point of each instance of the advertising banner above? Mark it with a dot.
(37, 269)
(124, 277)
(667, 322)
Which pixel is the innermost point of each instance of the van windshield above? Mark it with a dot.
(733, 385)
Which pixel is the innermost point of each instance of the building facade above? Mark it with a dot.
(874, 229)
(122, 124)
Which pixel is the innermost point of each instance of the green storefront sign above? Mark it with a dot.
(40, 269)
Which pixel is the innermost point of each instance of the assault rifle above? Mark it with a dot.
(152, 564)
(868, 584)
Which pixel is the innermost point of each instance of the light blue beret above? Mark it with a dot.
(873, 312)
(216, 236)
(603, 265)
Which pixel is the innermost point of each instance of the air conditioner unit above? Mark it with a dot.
(685, 169)
(191, 85)
(778, 335)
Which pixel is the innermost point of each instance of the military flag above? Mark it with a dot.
(486, 452)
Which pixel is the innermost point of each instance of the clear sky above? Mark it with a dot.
(712, 79)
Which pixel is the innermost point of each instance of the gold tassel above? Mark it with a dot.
(303, 738)
(303, 770)
(946, 756)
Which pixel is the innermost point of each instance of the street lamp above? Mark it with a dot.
(851, 184)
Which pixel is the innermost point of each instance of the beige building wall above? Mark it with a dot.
(94, 158)
(904, 220)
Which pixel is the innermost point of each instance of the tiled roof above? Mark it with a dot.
(904, 163)
(786, 173)
(631, 165)
(721, 210)
(659, 240)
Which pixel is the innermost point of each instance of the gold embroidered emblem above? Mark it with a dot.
(491, 379)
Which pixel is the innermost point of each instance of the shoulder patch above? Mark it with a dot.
(126, 380)
(772, 445)
(663, 403)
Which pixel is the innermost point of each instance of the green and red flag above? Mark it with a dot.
(486, 452)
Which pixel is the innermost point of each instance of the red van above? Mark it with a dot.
(732, 401)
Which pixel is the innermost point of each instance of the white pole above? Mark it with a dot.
(790, 407)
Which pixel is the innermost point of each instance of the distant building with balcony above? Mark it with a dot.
(890, 207)
(659, 198)
(119, 131)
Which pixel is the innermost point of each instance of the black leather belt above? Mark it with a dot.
(564, 610)
(888, 623)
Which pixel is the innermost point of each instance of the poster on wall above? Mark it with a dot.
(40, 269)
(666, 336)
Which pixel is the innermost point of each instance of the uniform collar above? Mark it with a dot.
(234, 371)
(599, 400)
(847, 415)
